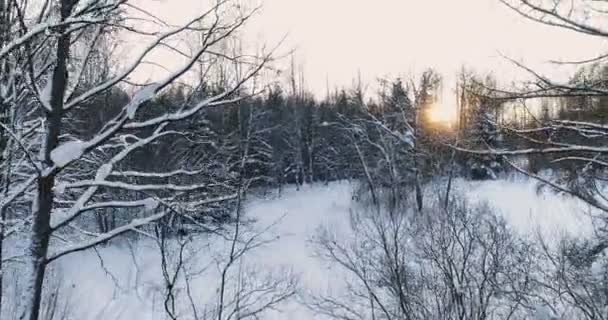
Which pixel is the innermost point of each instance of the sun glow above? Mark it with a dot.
(442, 113)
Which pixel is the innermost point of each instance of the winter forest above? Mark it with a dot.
(154, 169)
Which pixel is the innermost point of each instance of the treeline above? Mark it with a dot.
(293, 137)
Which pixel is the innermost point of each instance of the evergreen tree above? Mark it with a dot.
(488, 135)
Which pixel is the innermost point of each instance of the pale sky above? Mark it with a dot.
(335, 39)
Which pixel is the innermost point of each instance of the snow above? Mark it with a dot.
(150, 204)
(103, 172)
(530, 210)
(544, 313)
(45, 95)
(59, 188)
(3, 91)
(67, 152)
(145, 94)
(407, 137)
(34, 204)
(598, 267)
(121, 289)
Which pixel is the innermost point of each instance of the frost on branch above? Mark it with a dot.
(67, 152)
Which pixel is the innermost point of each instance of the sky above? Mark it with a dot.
(334, 40)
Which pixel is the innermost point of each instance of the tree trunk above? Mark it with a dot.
(38, 248)
(5, 142)
(419, 195)
(368, 175)
(311, 159)
(7, 155)
(40, 233)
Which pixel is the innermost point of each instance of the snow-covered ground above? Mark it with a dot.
(529, 209)
(91, 287)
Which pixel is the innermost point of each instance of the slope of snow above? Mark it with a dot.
(92, 291)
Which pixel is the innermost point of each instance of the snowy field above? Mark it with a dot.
(90, 291)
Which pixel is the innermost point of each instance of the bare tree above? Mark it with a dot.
(451, 263)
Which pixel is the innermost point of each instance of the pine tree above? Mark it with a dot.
(487, 135)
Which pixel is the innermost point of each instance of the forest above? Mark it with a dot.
(225, 188)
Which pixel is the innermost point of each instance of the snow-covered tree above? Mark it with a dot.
(479, 125)
(455, 262)
(65, 177)
(578, 142)
(486, 134)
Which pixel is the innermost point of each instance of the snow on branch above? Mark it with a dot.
(41, 28)
(195, 205)
(16, 192)
(138, 187)
(217, 100)
(148, 203)
(145, 94)
(151, 91)
(68, 152)
(583, 124)
(103, 173)
(181, 115)
(593, 201)
(134, 224)
(156, 174)
(566, 148)
(22, 146)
